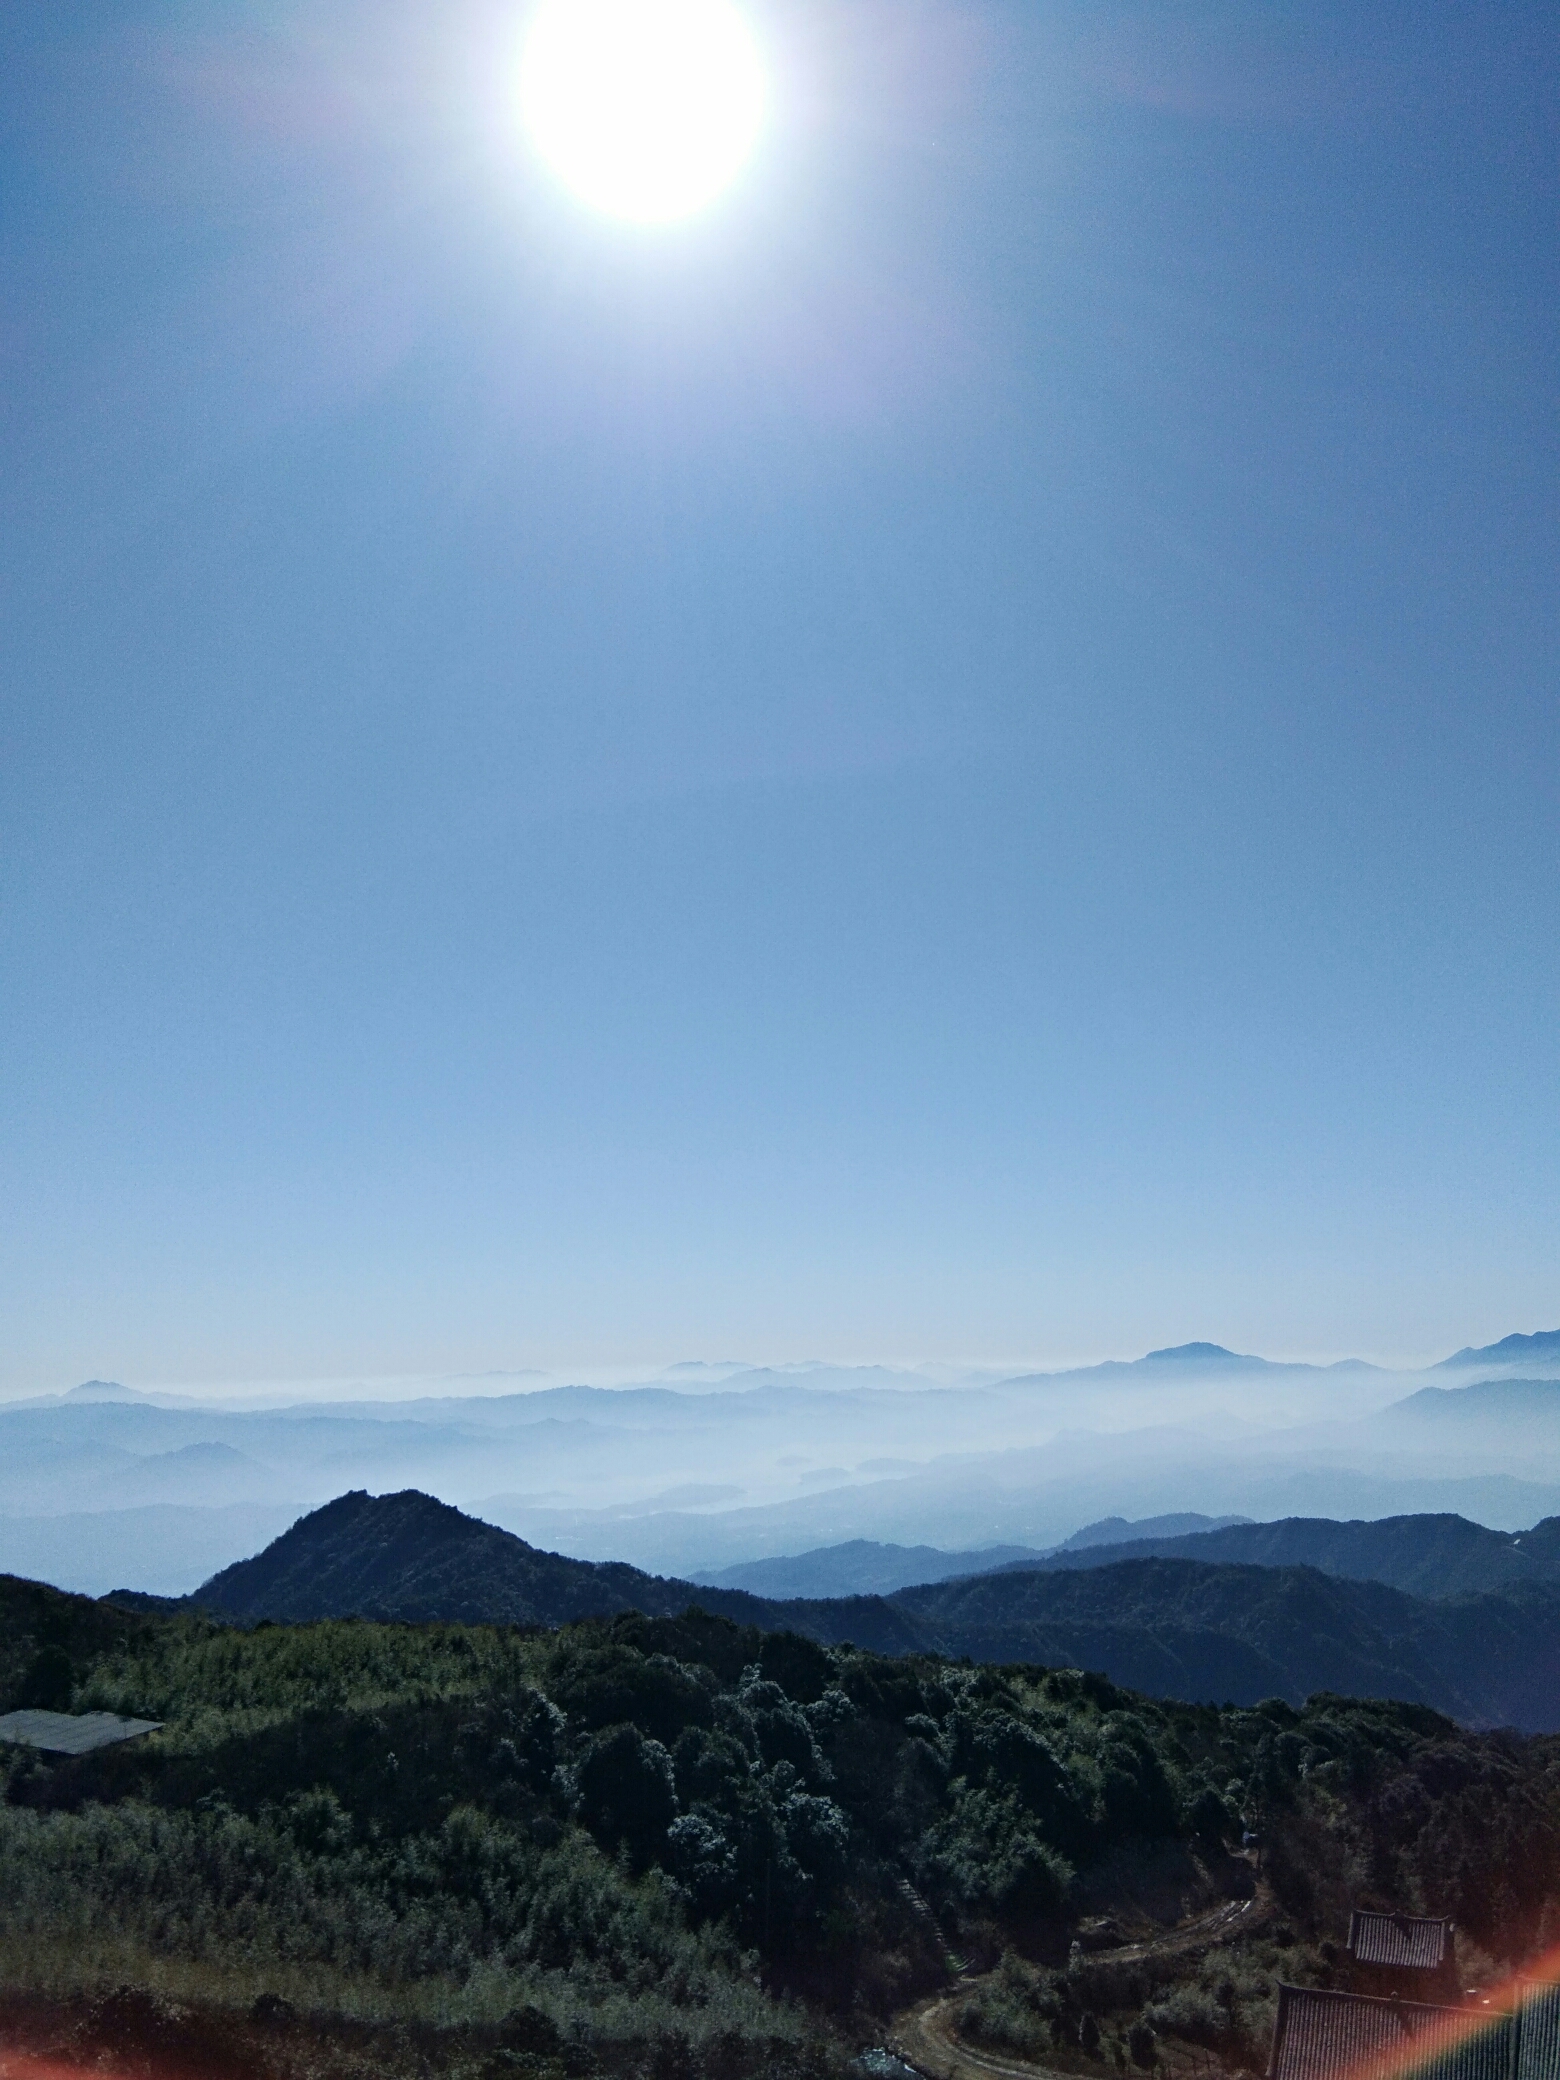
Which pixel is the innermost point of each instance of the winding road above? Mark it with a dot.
(926, 2036)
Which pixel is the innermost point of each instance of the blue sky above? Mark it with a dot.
(955, 760)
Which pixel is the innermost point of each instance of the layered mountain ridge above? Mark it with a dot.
(705, 1469)
(1201, 1629)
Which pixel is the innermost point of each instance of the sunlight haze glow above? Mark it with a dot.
(647, 109)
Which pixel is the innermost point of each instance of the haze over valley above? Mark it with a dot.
(707, 1469)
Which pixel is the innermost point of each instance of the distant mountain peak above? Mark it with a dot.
(102, 1390)
(1201, 1353)
(1543, 1343)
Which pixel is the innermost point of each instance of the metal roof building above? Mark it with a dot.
(1400, 1942)
(1322, 2035)
(72, 1733)
(1538, 2031)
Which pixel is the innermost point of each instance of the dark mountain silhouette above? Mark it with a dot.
(1434, 1556)
(1197, 1631)
(408, 1556)
(1238, 1633)
(412, 1558)
(1174, 1627)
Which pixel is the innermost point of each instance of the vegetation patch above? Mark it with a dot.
(645, 1845)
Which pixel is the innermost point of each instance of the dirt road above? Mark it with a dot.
(1236, 1917)
(926, 2036)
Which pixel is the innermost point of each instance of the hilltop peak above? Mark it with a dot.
(411, 1556)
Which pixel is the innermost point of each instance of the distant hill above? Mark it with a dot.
(1434, 1556)
(1511, 1350)
(1175, 1627)
(1114, 1530)
(867, 1567)
(861, 1567)
(102, 1390)
(1201, 1354)
(1486, 1401)
(1210, 1359)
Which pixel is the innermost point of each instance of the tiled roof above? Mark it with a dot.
(1323, 2036)
(1538, 2043)
(1411, 1941)
(72, 1733)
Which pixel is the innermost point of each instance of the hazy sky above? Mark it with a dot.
(957, 759)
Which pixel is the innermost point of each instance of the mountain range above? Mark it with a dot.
(712, 1468)
(1432, 1555)
(867, 1567)
(1487, 1450)
(1201, 1629)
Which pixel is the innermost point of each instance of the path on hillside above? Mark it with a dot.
(926, 2035)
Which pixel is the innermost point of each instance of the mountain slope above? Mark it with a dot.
(861, 1567)
(1191, 1628)
(870, 1567)
(1111, 1531)
(408, 1556)
(1511, 1350)
(1434, 1556)
(412, 1558)
(1519, 1412)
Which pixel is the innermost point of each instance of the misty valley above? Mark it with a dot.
(709, 1468)
(366, 1781)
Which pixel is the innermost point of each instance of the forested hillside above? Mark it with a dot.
(1184, 1628)
(410, 1556)
(678, 1845)
(1173, 1627)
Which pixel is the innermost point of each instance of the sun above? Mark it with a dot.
(647, 109)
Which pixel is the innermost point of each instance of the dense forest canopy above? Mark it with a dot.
(638, 1840)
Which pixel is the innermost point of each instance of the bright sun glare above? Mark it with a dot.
(646, 108)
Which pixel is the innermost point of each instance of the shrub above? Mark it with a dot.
(49, 1681)
(1191, 2013)
(1209, 1820)
(626, 1791)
